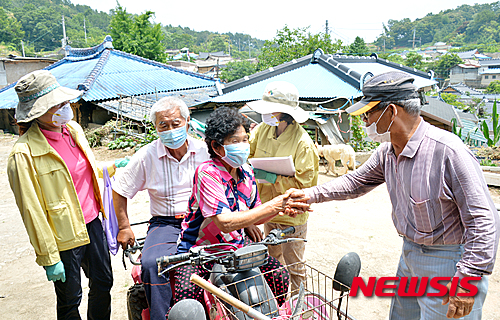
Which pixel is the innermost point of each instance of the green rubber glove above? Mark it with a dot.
(56, 272)
(120, 163)
(265, 175)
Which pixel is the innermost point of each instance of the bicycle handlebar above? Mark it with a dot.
(129, 253)
(200, 255)
(287, 231)
(174, 258)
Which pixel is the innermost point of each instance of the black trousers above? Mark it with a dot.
(95, 261)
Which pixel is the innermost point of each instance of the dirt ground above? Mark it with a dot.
(361, 225)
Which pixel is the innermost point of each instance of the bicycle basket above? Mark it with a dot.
(321, 300)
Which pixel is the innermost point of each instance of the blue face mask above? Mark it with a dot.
(173, 139)
(236, 154)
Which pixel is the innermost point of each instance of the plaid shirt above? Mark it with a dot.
(216, 192)
(438, 194)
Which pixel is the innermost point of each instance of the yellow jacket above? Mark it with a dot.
(46, 196)
(293, 141)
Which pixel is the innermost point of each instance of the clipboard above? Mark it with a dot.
(278, 165)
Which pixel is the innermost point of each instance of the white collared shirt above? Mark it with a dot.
(168, 181)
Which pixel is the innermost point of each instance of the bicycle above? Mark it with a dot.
(236, 272)
(137, 305)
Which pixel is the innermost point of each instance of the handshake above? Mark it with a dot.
(292, 203)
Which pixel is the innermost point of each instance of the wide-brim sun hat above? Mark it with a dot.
(280, 96)
(389, 86)
(39, 91)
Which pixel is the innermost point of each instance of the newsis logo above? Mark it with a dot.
(413, 287)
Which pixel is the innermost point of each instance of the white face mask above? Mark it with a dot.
(372, 133)
(63, 115)
(270, 119)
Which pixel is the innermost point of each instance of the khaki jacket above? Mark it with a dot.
(46, 196)
(293, 141)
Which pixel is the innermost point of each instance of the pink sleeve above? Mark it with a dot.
(210, 192)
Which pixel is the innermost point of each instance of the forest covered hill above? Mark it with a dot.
(39, 24)
(465, 26)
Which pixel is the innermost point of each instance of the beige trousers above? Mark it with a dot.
(290, 253)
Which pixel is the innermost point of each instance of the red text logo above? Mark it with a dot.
(412, 287)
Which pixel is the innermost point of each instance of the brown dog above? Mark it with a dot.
(343, 152)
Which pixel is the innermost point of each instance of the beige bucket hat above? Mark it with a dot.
(39, 91)
(280, 96)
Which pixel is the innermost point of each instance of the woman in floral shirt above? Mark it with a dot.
(225, 201)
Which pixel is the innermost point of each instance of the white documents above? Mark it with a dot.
(279, 165)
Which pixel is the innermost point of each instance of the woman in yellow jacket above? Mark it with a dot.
(53, 176)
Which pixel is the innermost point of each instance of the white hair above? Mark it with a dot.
(167, 103)
(411, 106)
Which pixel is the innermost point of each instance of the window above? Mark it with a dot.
(486, 77)
(493, 77)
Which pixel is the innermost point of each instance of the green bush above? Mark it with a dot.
(487, 163)
(358, 139)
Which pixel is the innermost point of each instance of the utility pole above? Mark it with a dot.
(326, 28)
(64, 39)
(415, 40)
(217, 69)
(249, 43)
(384, 45)
(85, 30)
(22, 45)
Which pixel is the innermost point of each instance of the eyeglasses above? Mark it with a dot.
(364, 116)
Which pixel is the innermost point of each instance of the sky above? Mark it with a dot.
(262, 18)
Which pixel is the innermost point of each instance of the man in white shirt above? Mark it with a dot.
(165, 168)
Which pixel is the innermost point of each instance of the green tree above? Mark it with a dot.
(179, 41)
(394, 57)
(289, 44)
(452, 99)
(41, 25)
(401, 31)
(414, 60)
(217, 43)
(385, 42)
(445, 63)
(137, 35)
(493, 87)
(237, 69)
(358, 47)
(10, 28)
(460, 26)
(120, 27)
(358, 136)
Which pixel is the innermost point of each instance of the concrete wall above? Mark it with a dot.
(3, 75)
(15, 69)
(458, 75)
(486, 79)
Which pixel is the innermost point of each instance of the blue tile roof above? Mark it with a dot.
(377, 68)
(104, 73)
(319, 76)
(471, 129)
(312, 81)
